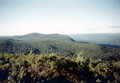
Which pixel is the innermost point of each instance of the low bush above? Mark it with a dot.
(52, 68)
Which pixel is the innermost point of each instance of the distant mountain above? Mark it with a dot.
(103, 38)
(42, 37)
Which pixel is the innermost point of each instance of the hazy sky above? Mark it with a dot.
(18, 17)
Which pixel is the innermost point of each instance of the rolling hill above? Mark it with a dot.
(62, 45)
(55, 58)
(42, 37)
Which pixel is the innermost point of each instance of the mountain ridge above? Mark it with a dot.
(61, 45)
(38, 36)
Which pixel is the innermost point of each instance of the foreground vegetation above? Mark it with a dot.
(52, 68)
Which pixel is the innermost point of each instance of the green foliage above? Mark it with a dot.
(52, 68)
(61, 48)
(28, 59)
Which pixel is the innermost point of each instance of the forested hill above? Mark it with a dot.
(54, 43)
(55, 58)
(42, 37)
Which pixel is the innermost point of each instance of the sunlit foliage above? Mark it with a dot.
(52, 68)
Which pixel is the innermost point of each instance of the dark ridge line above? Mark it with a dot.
(106, 45)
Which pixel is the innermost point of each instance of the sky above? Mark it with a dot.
(18, 17)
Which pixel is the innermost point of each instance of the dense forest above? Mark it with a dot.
(35, 57)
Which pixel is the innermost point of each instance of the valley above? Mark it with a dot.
(108, 39)
(48, 58)
(62, 45)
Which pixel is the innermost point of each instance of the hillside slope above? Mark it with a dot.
(62, 45)
(61, 48)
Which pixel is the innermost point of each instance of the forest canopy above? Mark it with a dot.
(53, 68)
(57, 58)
